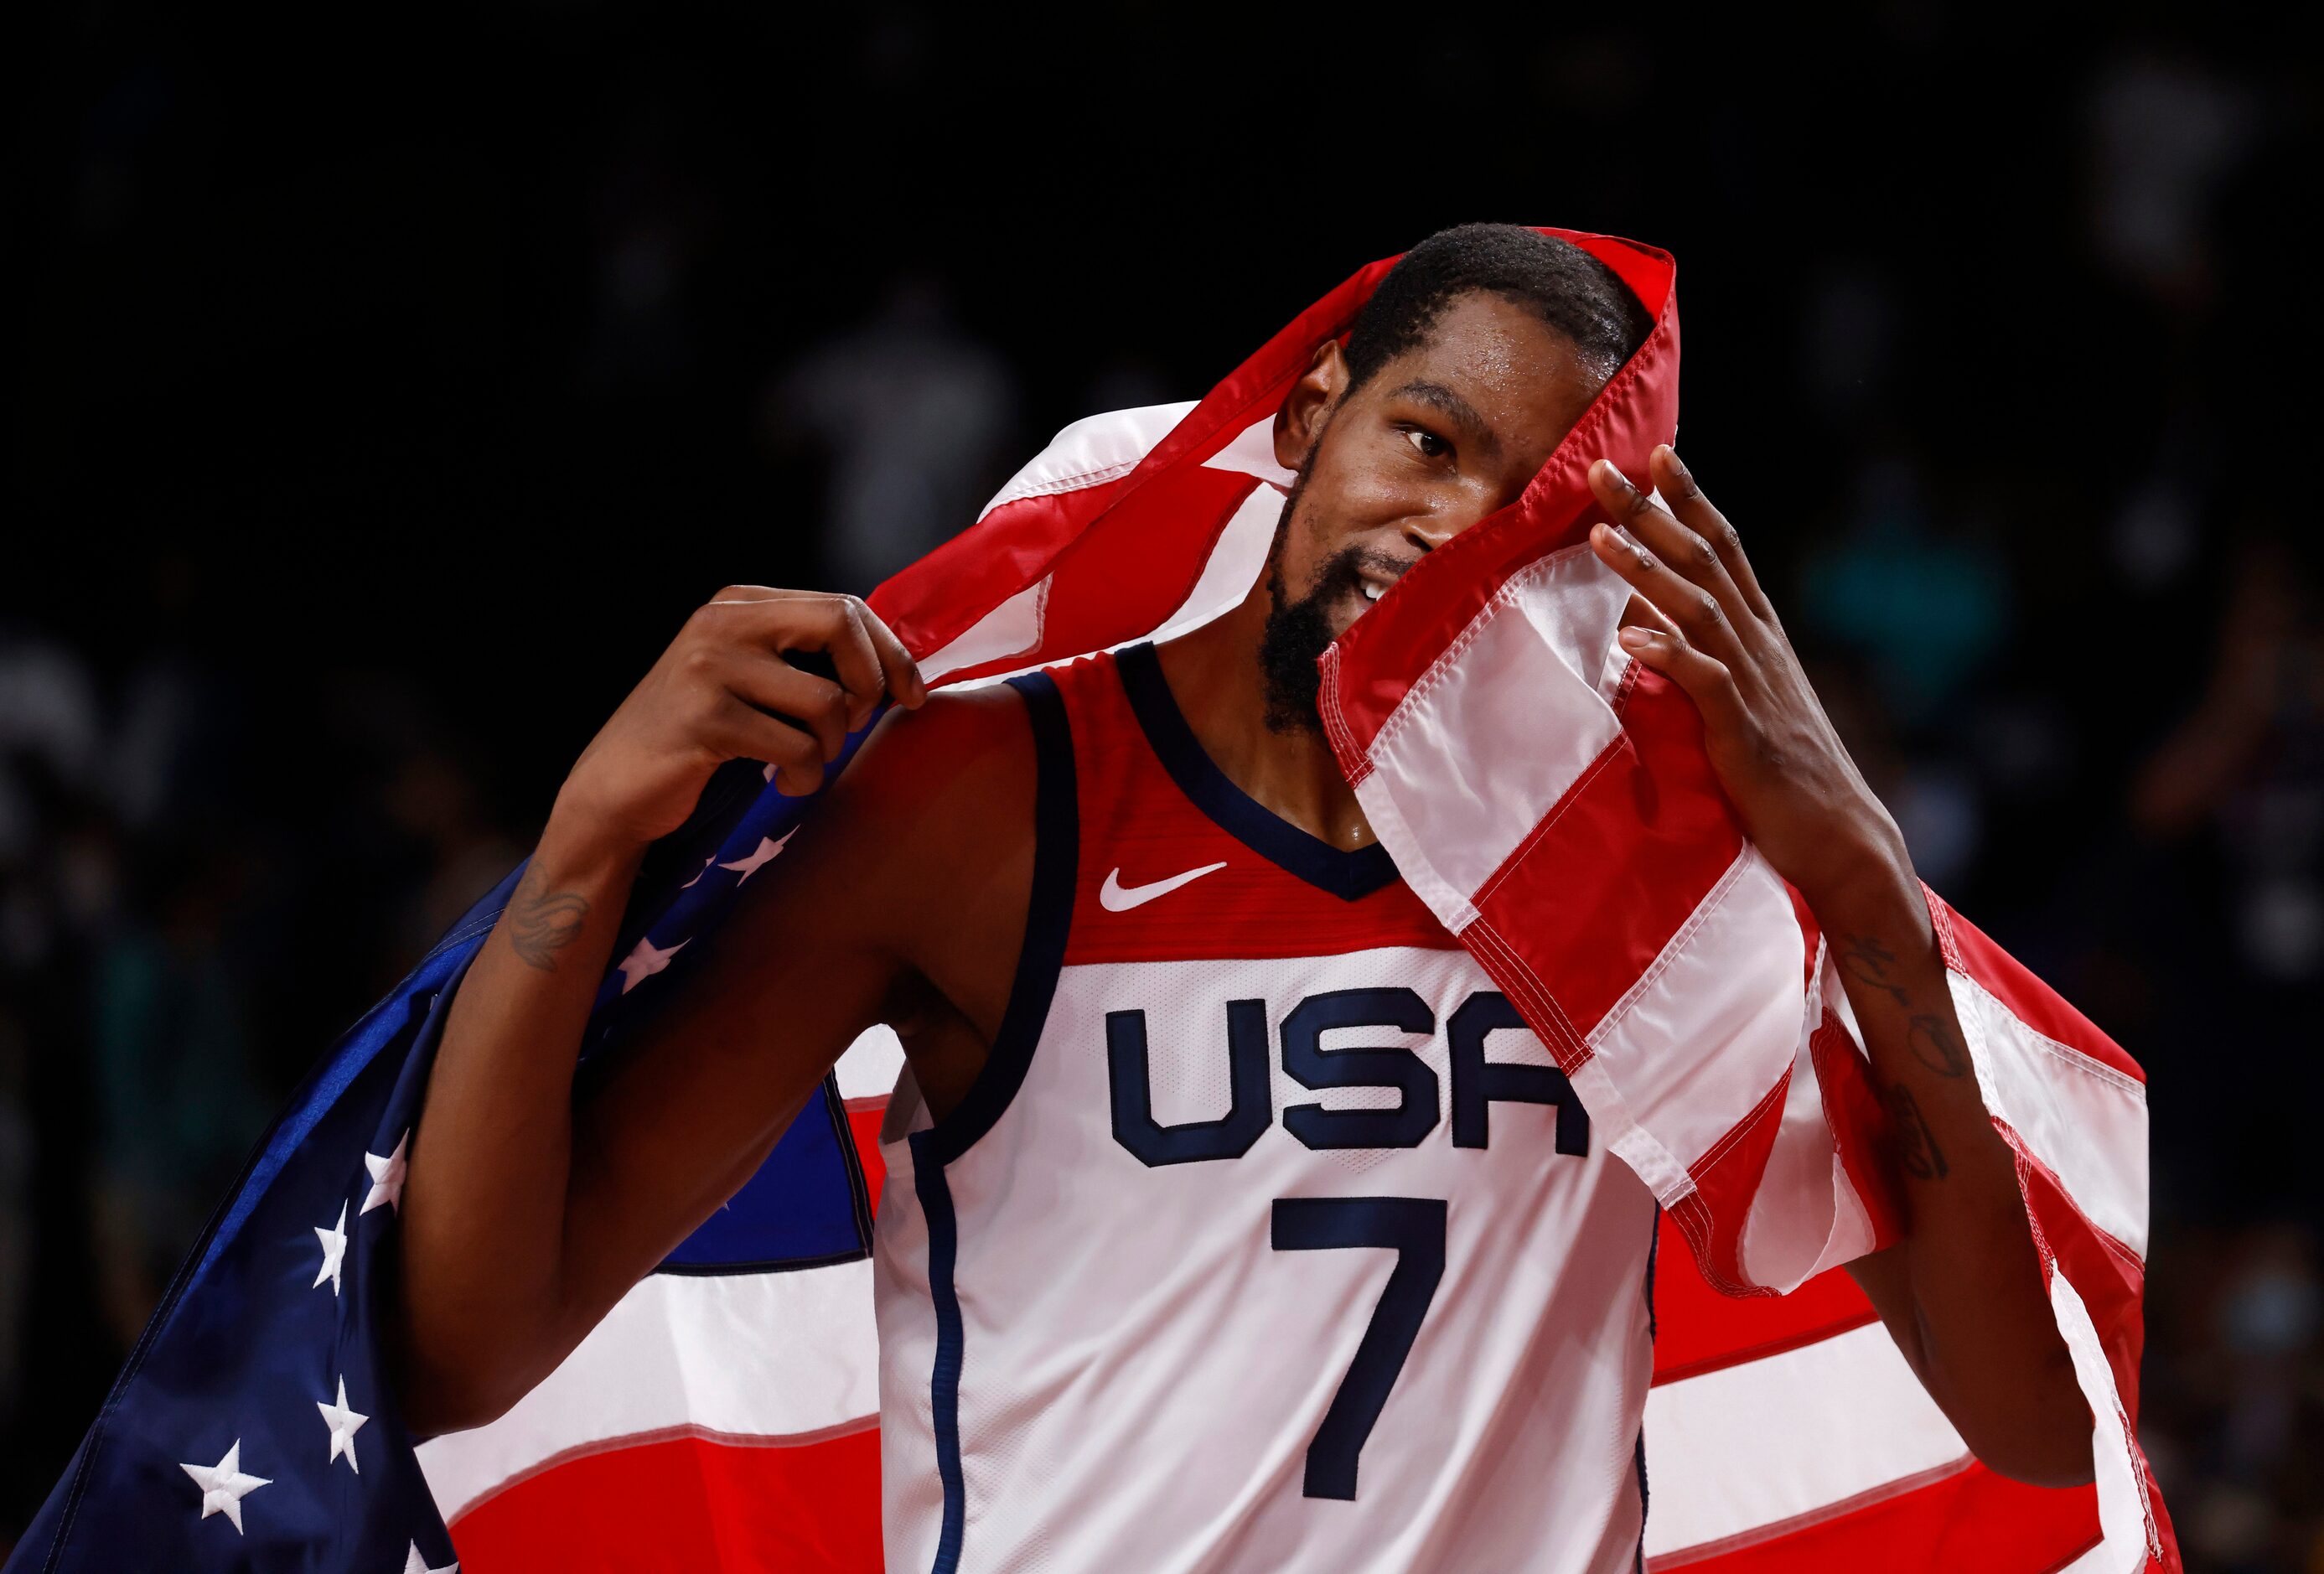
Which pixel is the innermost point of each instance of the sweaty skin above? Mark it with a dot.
(533, 1203)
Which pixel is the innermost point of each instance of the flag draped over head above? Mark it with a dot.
(1544, 795)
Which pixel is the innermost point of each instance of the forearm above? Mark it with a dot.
(1981, 1333)
(1962, 1293)
(485, 1198)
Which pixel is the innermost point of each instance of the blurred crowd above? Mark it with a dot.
(355, 543)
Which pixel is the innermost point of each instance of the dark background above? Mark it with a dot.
(383, 386)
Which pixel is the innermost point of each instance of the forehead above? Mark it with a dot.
(1524, 377)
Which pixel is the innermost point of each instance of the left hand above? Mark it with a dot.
(1700, 618)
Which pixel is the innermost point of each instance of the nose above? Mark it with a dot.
(1428, 531)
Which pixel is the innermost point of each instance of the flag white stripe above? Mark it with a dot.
(1092, 451)
(706, 1352)
(2129, 1537)
(1820, 1424)
(2083, 1119)
(869, 1066)
(1528, 666)
(1725, 993)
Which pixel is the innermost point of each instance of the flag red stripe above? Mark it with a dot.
(940, 596)
(685, 1504)
(2029, 1000)
(1620, 864)
(1697, 1330)
(864, 1125)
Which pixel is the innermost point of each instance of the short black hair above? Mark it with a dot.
(1567, 288)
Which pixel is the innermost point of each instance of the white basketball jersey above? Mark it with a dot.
(1270, 1238)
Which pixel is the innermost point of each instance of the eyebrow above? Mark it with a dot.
(1454, 407)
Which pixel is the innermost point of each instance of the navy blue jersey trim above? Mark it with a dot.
(1048, 916)
(1057, 851)
(845, 1134)
(1654, 1247)
(943, 1382)
(1347, 874)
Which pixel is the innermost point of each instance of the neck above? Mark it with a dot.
(1214, 675)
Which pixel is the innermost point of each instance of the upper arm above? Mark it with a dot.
(817, 946)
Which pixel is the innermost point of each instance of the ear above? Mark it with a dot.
(1309, 403)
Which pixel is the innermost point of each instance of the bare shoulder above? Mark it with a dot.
(965, 752)
(931, 822)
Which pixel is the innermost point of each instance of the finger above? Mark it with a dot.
(1699, 514)
(1688, 555)
(770, 684)
(857, 660)
(1704, 679)
(904, 680)
(1641, 611)
(784, 620)
(1692, 610)
(737, 731)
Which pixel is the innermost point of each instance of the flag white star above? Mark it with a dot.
(699, 873)
(224, 1486)
(645, 961)
(343, 1425)
(387, 1177)
(334, 1237)
(416, 1564)
(759, 858)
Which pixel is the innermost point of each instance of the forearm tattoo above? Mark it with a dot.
(1869, 962)
(1917, 1146)
(1937, 1047)
(1933, 1040)
(543, 922)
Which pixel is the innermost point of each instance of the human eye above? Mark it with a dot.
(1427, 443)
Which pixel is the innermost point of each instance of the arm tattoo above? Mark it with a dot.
(543, 922)
(1936, 1046)
(1929, 1036)
(1916, 1144)
(1869, 962)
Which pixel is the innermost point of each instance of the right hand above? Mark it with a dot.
(723, 691)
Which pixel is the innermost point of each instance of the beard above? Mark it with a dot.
(1297, 632)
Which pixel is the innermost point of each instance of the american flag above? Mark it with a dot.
(1544, 795)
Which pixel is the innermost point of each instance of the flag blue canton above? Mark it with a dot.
(254, 1426)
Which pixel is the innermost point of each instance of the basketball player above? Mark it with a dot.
(1128, 919)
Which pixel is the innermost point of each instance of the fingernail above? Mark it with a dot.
(1635, 639)
(1615, 477)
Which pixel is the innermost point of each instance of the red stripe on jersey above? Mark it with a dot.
(683, 1504)
(1139, 830)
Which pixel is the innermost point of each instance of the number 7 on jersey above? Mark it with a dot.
(1413, 1228)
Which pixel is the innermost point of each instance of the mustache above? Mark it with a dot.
(1298, 631)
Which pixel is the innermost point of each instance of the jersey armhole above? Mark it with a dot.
(1049, 919)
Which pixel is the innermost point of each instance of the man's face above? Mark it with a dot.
(1439, 437)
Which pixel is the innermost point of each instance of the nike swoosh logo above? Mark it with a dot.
(1116, 898)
